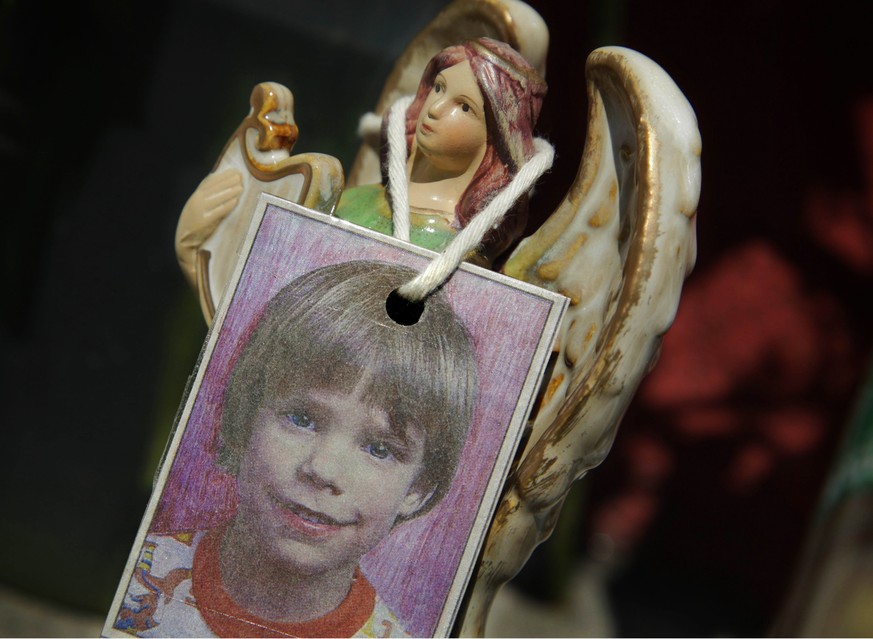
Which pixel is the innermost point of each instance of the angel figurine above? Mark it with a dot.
(619, 245)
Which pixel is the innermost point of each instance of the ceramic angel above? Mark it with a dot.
(619, 245)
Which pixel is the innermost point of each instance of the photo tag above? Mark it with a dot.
(341, 451)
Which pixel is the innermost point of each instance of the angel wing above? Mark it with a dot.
(619, 246)
(259, 154)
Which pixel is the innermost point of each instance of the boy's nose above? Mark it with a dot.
(323, 469)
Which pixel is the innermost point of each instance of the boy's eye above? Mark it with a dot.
(465, 107)
(378, 450)
(436, 88)
(301, 420)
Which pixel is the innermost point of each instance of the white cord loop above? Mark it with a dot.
(397, 167)
(369, 125)
(442, 267)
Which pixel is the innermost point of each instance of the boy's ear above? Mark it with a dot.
(415, 500)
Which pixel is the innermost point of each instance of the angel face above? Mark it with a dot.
(451, 130)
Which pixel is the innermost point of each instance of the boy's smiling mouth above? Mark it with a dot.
(307, 521)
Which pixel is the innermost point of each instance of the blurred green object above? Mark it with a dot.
(832, 594)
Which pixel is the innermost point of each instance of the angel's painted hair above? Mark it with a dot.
(513, 93)
(329, 328)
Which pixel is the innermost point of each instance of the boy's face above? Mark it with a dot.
(324, 478)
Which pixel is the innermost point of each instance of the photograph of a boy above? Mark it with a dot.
(339, 424)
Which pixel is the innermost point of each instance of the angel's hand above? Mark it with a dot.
(215, 197)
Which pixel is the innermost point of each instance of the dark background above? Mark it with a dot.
(112, 111)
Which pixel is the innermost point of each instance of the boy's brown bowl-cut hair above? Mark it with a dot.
(329, 328)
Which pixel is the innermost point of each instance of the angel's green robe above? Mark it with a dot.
(367, 206)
